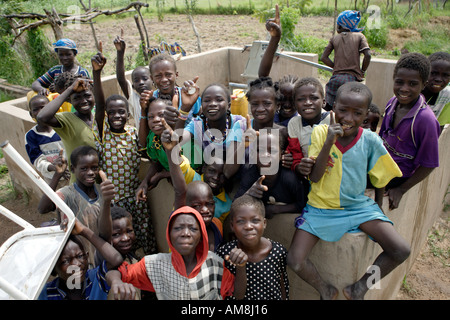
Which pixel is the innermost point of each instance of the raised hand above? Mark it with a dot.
(250, 134)
(334, 129)
(273, 25)
(106, 187)
(169, 139)
(190, 92)
(98, 61)
(144, 100)
(119, 42)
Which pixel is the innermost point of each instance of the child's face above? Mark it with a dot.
(407, 86)
(155, 116)
(268, 153)
(123, 236)
(215, 103)
(66, 57)
(83, 101)
(214, 177)
(117, 114)
(371, 121)
(263, 105)
(439, 75)
(164, 76)
(141, 80)
(350, 111)
(86, 170)
(36, 106)
(287, 104)
(185, 234)
(309, 102)
(248, 225)
(202, 200)
(72, 263)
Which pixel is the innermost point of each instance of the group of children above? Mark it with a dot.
(294, 156)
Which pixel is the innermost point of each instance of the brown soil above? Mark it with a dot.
(429, 277)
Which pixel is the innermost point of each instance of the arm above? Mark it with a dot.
(108, 252)
(366, 60)
(60, 165)
(141, 192)
(120, 45)
(239, 258)
(320, 165)
(37, 86)
(98, 62)
(396, 194)
(144, 129)
(104, 220)
(173, 149)
(325, 58)
(274, 28)
(47, 114)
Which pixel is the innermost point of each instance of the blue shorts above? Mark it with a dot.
(332, 224)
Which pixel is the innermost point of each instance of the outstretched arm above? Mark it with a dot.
(173, 152)
(120, 45)
(274, 28)
(98, 62)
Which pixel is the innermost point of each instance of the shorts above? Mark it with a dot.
(333, 85)
(331, 224)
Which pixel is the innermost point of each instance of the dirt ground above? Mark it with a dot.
(430, 276)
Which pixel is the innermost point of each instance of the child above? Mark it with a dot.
(42, 143)
(196, 194)
(67, 51)
(86, 198)
(348, 45)
(123, 238)
(75, 129)
(373, 118)
(152, 115)
(285, 85)
(189, 272)
(75, 281)
(336, 202)
(213, 131)
(437, 90)
(409, 129)
(263, 98)
(309, 101)
(267, 278)
(118, 149)
(140, 81)
(279, 188)
(163, 72)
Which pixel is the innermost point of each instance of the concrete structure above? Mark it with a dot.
(341, 262)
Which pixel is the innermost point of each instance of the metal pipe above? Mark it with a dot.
(317, 65)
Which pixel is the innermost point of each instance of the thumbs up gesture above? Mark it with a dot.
(169, 139)
(334, 129)
(106, 187)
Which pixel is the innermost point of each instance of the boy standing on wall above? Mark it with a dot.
(348, 45)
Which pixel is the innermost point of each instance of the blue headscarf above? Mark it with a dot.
(349, 19)
(65, 44)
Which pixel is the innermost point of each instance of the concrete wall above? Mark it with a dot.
(341, 262)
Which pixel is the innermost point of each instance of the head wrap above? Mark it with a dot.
(349, 19)
(65, 44)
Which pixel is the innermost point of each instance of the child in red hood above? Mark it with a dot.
(189, 257)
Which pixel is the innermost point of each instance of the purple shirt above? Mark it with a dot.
(411, 151)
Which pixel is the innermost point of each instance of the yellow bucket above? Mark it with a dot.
(239, 103)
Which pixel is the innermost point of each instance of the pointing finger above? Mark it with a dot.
(332, 118)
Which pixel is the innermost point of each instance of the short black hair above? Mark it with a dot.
(224, 88)
(440, 55)
(79, 152)
(161, 57)
(356, 87)
(247, 200)
(262, 83)
(119, 213)
(414, 61)
(35, 98)
(309, 81)
(116, 97)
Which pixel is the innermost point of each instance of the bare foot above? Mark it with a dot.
(330, 293)
(353, 292)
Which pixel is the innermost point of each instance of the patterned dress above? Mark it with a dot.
(264, 278)
(120, 160)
